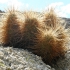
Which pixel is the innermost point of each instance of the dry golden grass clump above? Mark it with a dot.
(53, 39)
(51, 19)
(30, 30)
(11, 29)
(51, 46)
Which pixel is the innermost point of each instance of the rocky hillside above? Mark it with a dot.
(1, 11)
(67, 20)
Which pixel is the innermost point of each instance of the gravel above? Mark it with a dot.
(19, 59)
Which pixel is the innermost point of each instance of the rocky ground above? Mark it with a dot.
(19, 59)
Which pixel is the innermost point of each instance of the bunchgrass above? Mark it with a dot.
(29, 30)
(11, 28)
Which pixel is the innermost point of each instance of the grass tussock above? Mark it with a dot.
(51, 46)
(53, 39)
(51, 19)
(30, 29)
(11, 30)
